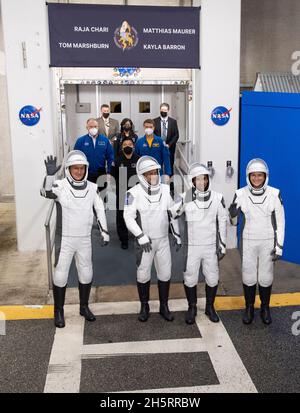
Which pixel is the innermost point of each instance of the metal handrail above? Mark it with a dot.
(182, 157)
(49, 244)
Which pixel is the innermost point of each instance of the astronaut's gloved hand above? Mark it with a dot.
(221, 252)
(51, 167)
(176, 242)
(104, 238)
(144, 242)
(276, 254)
(234, 209)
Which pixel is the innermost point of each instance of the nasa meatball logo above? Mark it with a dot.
(29, 115)
(220, 115)
(126, 36)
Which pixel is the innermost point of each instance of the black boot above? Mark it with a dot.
(163, 291)
(59, 301)
(265, 294)
(249, 293)
(143, 290)
(210, 299)
(84, 295)
(191, 295)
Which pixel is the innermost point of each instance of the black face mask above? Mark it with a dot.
(105, 115)
(163, 114)
(128, 150)
(127, 128)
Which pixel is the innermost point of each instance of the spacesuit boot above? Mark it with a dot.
(84, 294)
(191, 295)
(210, 299)
(143, 290)
(265, 294)
(249, 293)
(163, 290)
(59, 301)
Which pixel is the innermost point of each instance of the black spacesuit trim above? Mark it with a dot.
(204, 208)
(154, 202)
(257, 203)
(185, 245)
(58, 232)
(79, 197)
(78, 187)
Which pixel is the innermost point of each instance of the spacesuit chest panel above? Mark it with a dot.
(153, 212)
(77, 210)
(201, 221)
(258, 215)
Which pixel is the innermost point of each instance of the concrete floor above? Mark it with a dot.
(24, 279)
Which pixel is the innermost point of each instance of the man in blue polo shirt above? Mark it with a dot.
(98, 151)
(154, 146)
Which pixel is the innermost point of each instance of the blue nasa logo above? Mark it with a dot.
(30, 115)
(220, 115)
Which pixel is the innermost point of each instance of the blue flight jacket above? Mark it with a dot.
(158, 150)
(97, 155)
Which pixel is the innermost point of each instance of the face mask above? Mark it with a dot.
(128, 150)
(148, 131)
(105, 115)
(163, 114)
(93, 131)
(127, 128)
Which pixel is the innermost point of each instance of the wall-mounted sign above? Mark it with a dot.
(88, 35)
(220, 115)
(30, 115)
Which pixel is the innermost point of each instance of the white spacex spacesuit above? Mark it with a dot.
(76, 202)
(147, 218)
(262, 235)
(205, 237)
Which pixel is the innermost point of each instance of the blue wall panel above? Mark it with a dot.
(270, 129)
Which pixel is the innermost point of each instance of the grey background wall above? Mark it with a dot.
(270, 34)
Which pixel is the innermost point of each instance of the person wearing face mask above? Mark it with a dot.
(76, 201)
(108, 126)
(153, 145)
(126, 132)
(167, 128)
(205, 238)
(147, 217)
(98, 151)
(123, 169)
(261, 208)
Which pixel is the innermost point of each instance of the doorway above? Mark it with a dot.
(137, 102)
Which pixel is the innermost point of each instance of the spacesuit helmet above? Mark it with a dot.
(197, 169)
(257, 165)
(76, 158)
(147, 164)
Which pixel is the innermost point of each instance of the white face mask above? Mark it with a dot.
(93, 131)
(148, 131)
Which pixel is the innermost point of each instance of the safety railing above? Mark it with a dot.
(49, 244)
(182, 166)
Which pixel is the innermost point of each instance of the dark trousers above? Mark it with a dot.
(121, 226)
(172, 157)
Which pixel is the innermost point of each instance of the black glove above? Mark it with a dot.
(51, 166)
(234, 210)
(220, 254)
(276, 257)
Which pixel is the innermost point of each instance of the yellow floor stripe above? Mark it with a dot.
(16, 312)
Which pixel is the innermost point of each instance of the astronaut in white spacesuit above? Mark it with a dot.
(147, 218)
(76, 201)
(205, 238)
(262, 235)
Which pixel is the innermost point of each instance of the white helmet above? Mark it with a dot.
(257, 165)
(76, 158)
(197, 169)
(146, 164)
